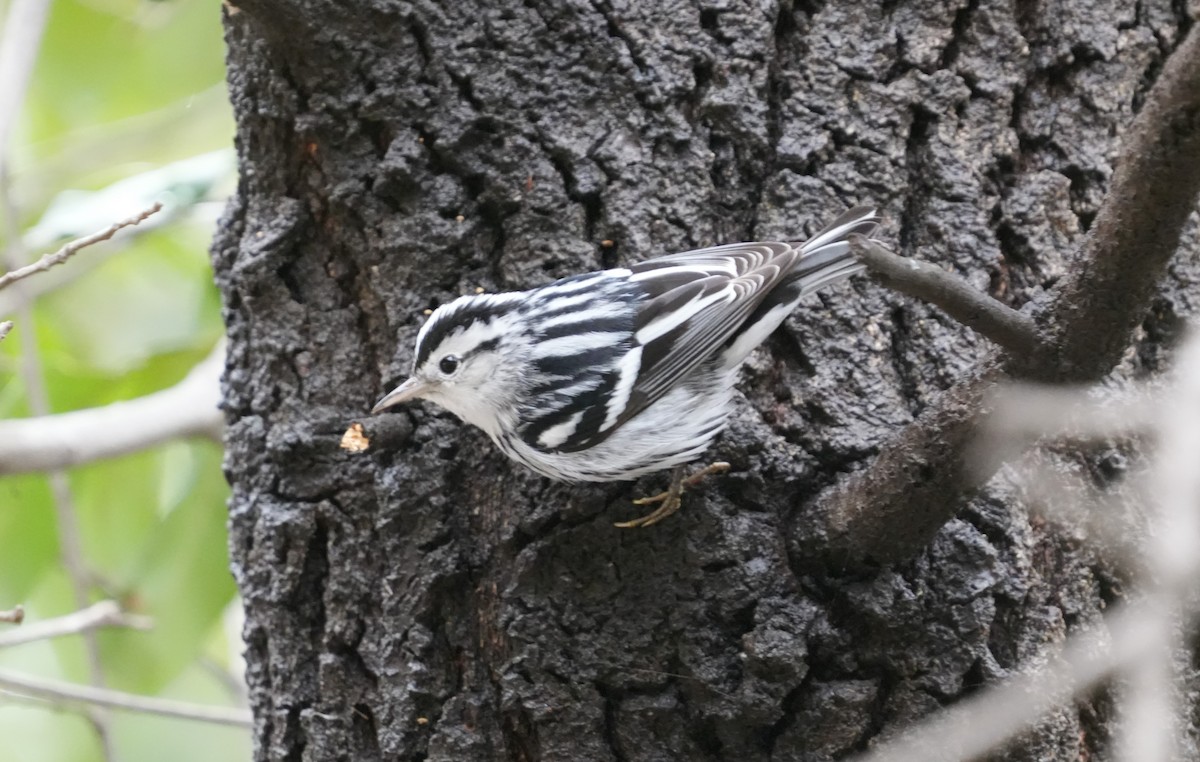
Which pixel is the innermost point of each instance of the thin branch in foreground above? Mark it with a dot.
(1020, 414)
(989, 318)
(67, 439)
(72, 248)
(15, 615)
(72, 693)
(102, 614)
(1152, 718)
(1028, 411)
(984, 723)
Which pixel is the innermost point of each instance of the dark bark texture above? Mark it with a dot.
(428, 599)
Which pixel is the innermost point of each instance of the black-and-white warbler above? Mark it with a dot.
(614, 374)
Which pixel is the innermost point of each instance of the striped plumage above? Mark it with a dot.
(614, 374)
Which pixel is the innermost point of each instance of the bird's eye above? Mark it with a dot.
(448, 364)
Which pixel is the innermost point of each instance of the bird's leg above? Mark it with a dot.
(673, 497)
(670, 500)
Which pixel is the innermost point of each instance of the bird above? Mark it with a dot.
(618, 373)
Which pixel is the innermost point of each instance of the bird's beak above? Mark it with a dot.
(410, 389)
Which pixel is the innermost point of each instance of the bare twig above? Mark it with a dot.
(59, 441)
(52, 280)
(102, 614)
(1021, 414)
(70, 544)
(1105, 519)
(1146, 730)
(892, 508)
(1151, 720)
(71, 693)
(71, 553)
(1028, 411)
(68, 251)
(983, 723)
(23, 27)
(15, 615)
(19, 46)
(997, 322)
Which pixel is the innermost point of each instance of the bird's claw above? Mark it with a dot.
(672, 498)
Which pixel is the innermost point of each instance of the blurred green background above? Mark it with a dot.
(123, 91)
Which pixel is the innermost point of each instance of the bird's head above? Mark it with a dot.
(468, 360)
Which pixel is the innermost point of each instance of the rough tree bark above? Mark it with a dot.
(430, 600)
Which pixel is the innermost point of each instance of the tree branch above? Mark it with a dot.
(892, 508)
(15, 615)
(72, 248)
(925, 281)
(1135, 234)
(72, 693)
(59, 441)
(102, 614)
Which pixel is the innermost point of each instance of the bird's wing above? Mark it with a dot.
(624, 341)
(695, 302)
(692, 304)
(685, 307)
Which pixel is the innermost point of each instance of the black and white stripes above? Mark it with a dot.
(584, 359)
(616, 373)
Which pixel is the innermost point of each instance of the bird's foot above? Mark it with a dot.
(673, 497)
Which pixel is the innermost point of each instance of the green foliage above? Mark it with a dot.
(122, 88)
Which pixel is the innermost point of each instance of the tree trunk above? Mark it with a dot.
(428, 599)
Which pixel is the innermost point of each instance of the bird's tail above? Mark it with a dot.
(826, 258)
